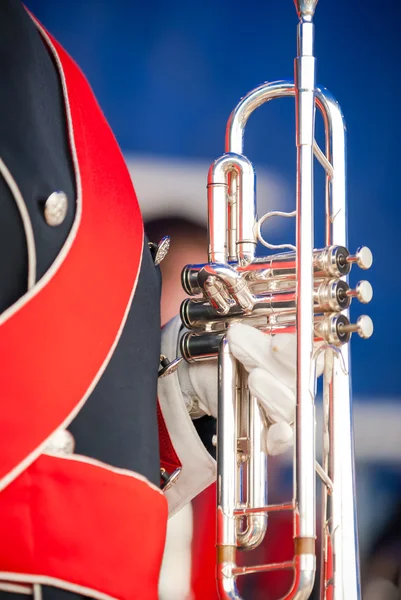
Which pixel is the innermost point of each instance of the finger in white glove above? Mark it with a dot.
(276, 353)
(253, 348)
(276, 397)
(279, 437)
(271, 363)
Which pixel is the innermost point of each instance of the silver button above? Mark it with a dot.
(162, 249)
(56, 208)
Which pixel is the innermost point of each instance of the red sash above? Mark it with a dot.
(72, 522)
(83, 527)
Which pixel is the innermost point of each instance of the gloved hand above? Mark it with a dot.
(270, 362)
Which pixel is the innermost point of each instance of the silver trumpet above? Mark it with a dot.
(298, 289)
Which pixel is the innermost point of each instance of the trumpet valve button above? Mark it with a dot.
(363, 327)
(363, 258)
(362, 292)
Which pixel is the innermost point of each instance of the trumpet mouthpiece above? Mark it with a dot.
(305, 8)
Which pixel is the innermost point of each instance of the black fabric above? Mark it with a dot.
(33, 145)
(206, 429)
(118, 424)
(48, 593)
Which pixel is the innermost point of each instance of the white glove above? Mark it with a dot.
(270, 362)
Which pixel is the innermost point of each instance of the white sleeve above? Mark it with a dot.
(198, 466)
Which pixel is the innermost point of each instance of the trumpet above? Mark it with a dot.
(297, 289)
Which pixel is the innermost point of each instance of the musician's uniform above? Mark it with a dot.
(80, 346)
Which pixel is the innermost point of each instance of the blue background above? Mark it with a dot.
(167, 75)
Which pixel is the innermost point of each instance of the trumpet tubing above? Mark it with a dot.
(299, 290)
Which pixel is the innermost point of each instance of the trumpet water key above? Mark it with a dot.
(302, 290)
